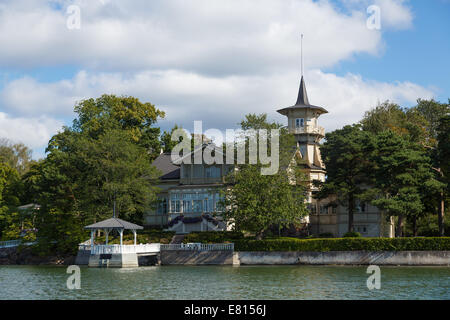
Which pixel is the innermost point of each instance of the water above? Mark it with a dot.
(225, 282)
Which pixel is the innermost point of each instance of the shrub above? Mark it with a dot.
(352, 234)
(345, 244)
(326, 235)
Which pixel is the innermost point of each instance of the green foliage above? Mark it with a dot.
(104, 158)
(213, 236)
(166, 139)
(401, 174)
(126, 113)
(444, 146)
(326, 235)
(254, 202)
(345, 244)
(352, 235)
(345, 158)
(16, 155)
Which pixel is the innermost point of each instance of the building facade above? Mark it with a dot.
(327, 216)
(189, 198)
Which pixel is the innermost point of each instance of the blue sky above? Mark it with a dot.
(419, 54)
(215, 61)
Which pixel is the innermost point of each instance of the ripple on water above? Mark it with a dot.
(225, 282)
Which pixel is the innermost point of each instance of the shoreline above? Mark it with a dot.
(10, 256)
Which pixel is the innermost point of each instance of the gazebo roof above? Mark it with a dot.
(114, 223)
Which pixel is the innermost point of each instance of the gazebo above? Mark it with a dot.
(111, 224)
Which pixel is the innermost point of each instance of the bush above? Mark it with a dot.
(345, 244)
(213, 236)
(326, 235)
(352, 234)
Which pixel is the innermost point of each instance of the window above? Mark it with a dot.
(361, 229)
(299, 122)
(197, 205)
(360, 206)
(187, 206)
(323, 209)
(312, 208)
(162, 206)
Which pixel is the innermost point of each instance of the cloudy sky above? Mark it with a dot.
(215, 60)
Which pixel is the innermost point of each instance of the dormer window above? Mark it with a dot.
(299, 122)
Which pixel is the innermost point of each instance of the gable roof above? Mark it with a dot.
(114, 223)
(164, 164)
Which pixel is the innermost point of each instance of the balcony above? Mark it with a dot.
(308, 129)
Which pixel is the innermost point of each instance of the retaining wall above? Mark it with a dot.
(194, 257)
(413, 258)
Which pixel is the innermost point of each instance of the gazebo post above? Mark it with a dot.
(106, 233)
(134, 231)
(92, 241)
(121, 236)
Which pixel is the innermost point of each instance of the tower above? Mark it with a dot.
(303, 124)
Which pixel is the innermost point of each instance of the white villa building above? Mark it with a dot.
(190, 192)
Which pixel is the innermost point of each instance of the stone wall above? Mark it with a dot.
(413, 258)
(25, 256)
(193, 257)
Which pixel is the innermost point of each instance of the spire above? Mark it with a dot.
(302, 95)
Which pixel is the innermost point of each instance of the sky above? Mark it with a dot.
(218, 60)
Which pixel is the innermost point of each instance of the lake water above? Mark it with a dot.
(225, 282)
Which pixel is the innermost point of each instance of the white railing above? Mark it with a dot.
(199, 246)
(117, 248)
(10, 243)
(308, 129)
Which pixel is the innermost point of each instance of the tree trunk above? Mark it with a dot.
(400, 222)
(414, 226)
(351, 206)
(441, 213)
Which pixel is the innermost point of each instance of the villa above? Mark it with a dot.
(190, 192)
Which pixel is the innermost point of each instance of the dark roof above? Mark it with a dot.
(164, 164)
(302, 101)
(302, 98)
(114, 223)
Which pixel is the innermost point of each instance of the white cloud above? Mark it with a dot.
(197, 60)
(394, 14)
(208, 37)
(220, 102)
(33, 132)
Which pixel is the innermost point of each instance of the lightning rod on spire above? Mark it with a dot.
(301, 55)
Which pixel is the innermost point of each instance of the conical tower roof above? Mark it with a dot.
(302, 101)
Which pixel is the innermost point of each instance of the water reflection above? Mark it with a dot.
(225, 282)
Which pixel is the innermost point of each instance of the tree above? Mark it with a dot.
(443, 156)
(17, 156)
(401, 174)
(166, 139)
(109, 112)
(101, 162)
(344, 157)
(255, 202)
(10, 190)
